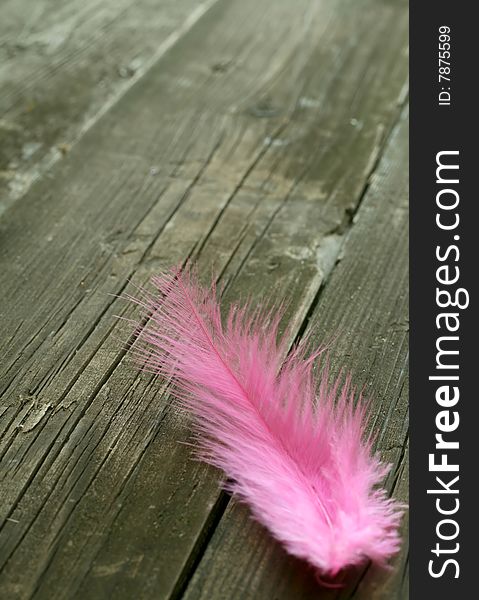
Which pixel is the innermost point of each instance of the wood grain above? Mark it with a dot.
(63, 64)
(249, 146)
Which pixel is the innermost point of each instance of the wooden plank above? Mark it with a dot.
(365, 305)
(62, 64)
(291, 231)
(90, 447)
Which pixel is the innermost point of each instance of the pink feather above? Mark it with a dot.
(293, 450)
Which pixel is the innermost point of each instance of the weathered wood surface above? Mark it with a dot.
(62, 64)
(264, 142)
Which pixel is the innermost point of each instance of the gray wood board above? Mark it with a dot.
(364, 310)
(255, 167)
(63, 64)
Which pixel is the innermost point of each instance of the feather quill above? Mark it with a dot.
(292, 449)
